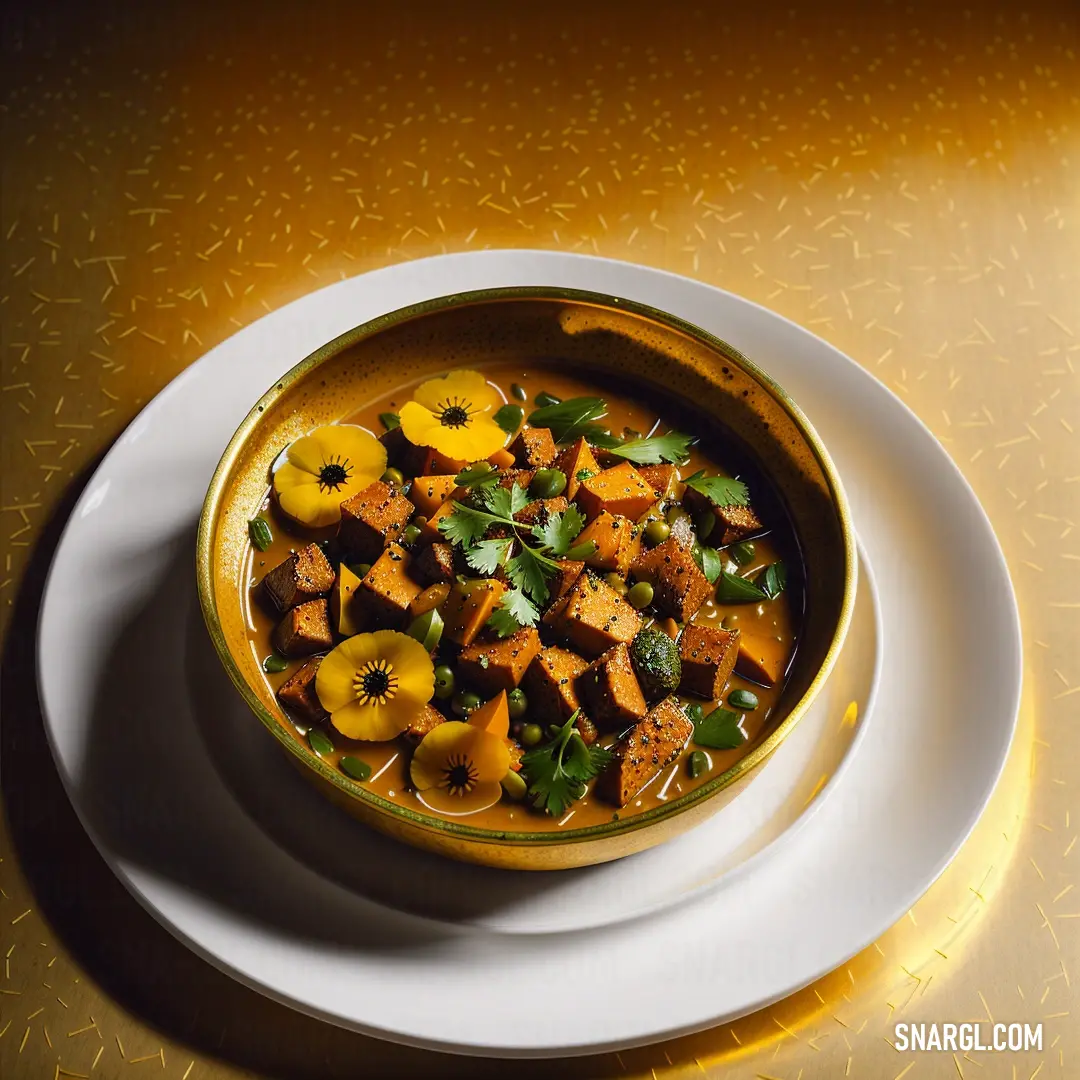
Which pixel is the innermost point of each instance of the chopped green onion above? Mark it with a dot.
(390, 420)
(259, 531)
(518, 391)
(320, 743)
(355, 767)
(274, 663)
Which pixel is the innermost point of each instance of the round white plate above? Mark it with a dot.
(268, 883)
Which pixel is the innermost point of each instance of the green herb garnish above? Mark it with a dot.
(259, 531)
(719, 490)
(509, 418)
(772, 580)
(320, 743)
(390, 420)
(515, 610)
(558, 771)
(479, 474)
(355, 767)
(709, 560)
(573, 419)
(739, 590)
(672, 447)
(720, 730)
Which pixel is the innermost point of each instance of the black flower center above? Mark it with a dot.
(460, 776)
(334, 474)
(454, 413)
(375, 683)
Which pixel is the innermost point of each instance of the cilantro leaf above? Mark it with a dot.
(505, 502)
(560, 529)
(514, 612)
(720, 730)
(672, 447)
(488, 555)
(558, 771)
(720, 490)
(579, 552)
(509, 418)
(572, 419)
(478, 475)
(528, 570)
(465, 525)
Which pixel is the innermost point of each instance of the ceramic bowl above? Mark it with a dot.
(609, 335)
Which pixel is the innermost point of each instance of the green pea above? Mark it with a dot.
(360, 569)
(444, 682)
(640, 595)
(743, 553)
(518, 703)
(676, 514)
(514, 786)
(697, 763)
(518, 391)
(531, 735)
(464, 702)
(427, 629)
(393, 476)
(705, 522)
(544, 399)
(656, 532)
(260, 533)
(410, 534)
(275, 663)
(743, 699)
(390, 420)
(616, 583)
(547, 483)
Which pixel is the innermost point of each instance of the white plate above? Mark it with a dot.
(273, 887)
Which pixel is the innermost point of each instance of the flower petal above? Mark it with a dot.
(356, 445)
(309, 504)
(430, 760)
(412, 666)
(490, 756)
(337, 672)
(467, 387)
(306, 453)
(371, 722)
(480, 798)
(477, 439)
(289, 475)
(417, 423)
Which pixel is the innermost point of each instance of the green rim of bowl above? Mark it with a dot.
(217, 492)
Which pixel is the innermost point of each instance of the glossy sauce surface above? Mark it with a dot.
(777, 619)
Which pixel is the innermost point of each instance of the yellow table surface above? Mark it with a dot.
(902, 180)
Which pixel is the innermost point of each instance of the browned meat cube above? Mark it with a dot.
(427, 461)
(642, 753)
(428, 493)
(596, 616)
(660, 478)
(539, 510)
(371, 519)
(618, 490)
(425, 720)
(433, 564)
(304, 575)
(576, 463)
(680, 585)
(492, 666)
(610, 690)
(761, 659)
(297, 693)
(387, 589)
(617, 540)
(733, 523)
(534, 448)
(708, 657)
(397, 446)
(305, 630)
(569, 570)
(549, 683)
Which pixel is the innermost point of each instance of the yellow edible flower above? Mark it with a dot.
(372, 685)
(453, 414)
(457, 767)
(323, 469)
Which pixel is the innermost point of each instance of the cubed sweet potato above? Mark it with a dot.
(661, 479)
(520, 477)
(468, 607)
(304, 630)
(680, 585)
(708, 658)
(501, 459)
(492, 666)
(641, 754)
(733, 523)
(569, 571)
(432, 597)
(433, 564)
(388, 588)
(297, 693)
(595, 616)
(617, 540)
(428, 493)
(610, 690)
(347, 614)
(429, 530)
(304, 575)
(371, 519)
(618, 490)
(539, 510)
(427, 461)
(426, 719)
(534, 448)
(761, 659)
(550, 683)
(575, 462)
